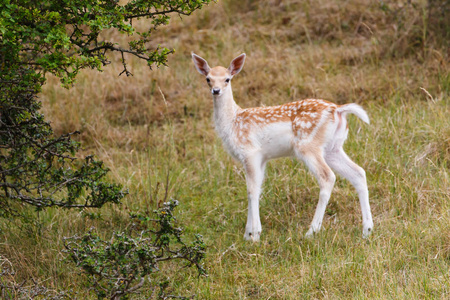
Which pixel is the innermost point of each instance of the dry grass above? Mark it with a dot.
(158, 121)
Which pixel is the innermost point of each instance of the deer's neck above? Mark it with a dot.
(225, 110)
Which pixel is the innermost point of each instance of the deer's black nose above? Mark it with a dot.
(215, 91)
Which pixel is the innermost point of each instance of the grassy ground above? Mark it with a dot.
(389, 61)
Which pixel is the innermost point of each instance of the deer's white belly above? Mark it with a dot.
(274, 140)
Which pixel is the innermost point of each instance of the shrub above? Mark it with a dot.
(62, 38)
(127, 262)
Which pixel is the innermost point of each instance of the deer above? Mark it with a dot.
(311, 130)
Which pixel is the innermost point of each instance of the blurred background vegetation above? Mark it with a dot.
(153, 130)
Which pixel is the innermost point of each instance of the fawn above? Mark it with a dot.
(312, 130)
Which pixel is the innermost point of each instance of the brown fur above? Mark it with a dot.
(304, 116)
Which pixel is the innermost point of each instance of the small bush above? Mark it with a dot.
(128, 261)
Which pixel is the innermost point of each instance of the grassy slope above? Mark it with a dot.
(159, 121)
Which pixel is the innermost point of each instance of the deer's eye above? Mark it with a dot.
(208, 80)
(227, 80)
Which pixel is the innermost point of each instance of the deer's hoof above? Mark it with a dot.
(252, 236)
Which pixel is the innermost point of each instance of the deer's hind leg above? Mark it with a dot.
(338, 160)
(314, 160)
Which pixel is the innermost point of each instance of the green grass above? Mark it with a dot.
(159, 122)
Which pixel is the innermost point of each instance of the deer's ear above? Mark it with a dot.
(200, 64)
(236, 64)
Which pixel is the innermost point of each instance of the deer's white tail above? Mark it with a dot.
(354, 109)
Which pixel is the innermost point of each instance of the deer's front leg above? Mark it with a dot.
(254, 169)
